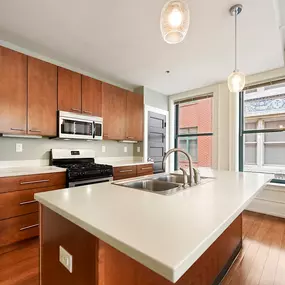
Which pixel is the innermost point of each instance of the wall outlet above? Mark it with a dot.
(19, 147)
(138, 149)
(65, 259)
(125, 149)
(103, 148)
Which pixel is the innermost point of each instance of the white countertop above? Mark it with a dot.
(118, 162)
(20, 171)
(165, 233)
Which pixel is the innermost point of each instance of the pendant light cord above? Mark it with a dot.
(236, 44)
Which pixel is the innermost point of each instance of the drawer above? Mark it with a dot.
(18, 203)
(124, 172)
(19, 228)
(144, 169)
(15, 183)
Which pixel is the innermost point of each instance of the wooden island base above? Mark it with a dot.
(96, 263)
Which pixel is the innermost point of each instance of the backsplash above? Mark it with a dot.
(39, 149)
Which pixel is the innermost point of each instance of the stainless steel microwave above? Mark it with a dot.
(77, 126)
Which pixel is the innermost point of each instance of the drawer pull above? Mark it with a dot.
(34, 182)
(35, 131)
(146, 168)
(129, 170)
(28, 202)
(130, 137)
(87, 112)
(17, 129)
(29, 227)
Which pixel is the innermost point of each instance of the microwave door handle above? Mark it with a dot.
(94, 131)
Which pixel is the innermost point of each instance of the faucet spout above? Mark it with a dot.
(166, 155)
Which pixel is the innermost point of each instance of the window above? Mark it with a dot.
(194, 131)
(262, 124)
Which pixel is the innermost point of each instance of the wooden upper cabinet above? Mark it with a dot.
(13, 91)
(135, 115)
(91, 96)
(114, 112)
(69, 90)
(42, 98)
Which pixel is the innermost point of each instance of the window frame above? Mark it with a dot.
(243, 131)
(177, 135)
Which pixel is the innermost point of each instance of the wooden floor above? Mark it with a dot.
(260, 262)
(262, 258)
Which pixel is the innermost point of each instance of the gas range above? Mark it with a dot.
(81, 167)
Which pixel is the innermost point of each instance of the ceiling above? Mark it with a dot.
(121, 41)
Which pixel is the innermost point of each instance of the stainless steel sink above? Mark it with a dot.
(151, 185)
(164, 184)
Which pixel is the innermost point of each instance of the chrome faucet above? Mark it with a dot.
(188, 180)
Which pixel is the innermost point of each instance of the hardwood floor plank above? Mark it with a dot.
(280, 270)
(269, 270)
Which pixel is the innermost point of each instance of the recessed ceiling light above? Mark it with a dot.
(167, 71)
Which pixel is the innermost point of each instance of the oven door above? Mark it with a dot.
(76, 128)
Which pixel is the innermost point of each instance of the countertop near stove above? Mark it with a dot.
(119, 162)
(164, 233)
(21, 171)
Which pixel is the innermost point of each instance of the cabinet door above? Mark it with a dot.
(13, 91)
(91, 96)
(69, 90)
(134, 120)
(114, 112)
(42, 98)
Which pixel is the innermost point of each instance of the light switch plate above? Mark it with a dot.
(125, 149)
(65, 259)
(103, 148)
(19, 147)
(138, 149)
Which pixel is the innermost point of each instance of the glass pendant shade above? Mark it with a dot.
(174, 21)
(236, 82)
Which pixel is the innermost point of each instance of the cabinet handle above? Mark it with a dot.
(106, 136)
(129, 170)
(35, 131)
(130, 137)
(147, 168)
(29, 227)
(87, 112)
(17, 129)
(75, 110)
(28, 202)
(34, 182)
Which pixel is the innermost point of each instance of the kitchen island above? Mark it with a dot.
(117, 235)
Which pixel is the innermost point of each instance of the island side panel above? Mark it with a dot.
(56, 231)
(115, 267)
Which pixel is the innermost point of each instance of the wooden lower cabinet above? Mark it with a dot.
(97, 263)
(19, 228)
(18, 209)
(124, 172)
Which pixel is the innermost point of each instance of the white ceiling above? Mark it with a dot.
(120, 40)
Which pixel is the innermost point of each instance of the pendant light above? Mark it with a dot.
(174, 21)
(236, 80)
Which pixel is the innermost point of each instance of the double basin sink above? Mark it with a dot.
(164, 184)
